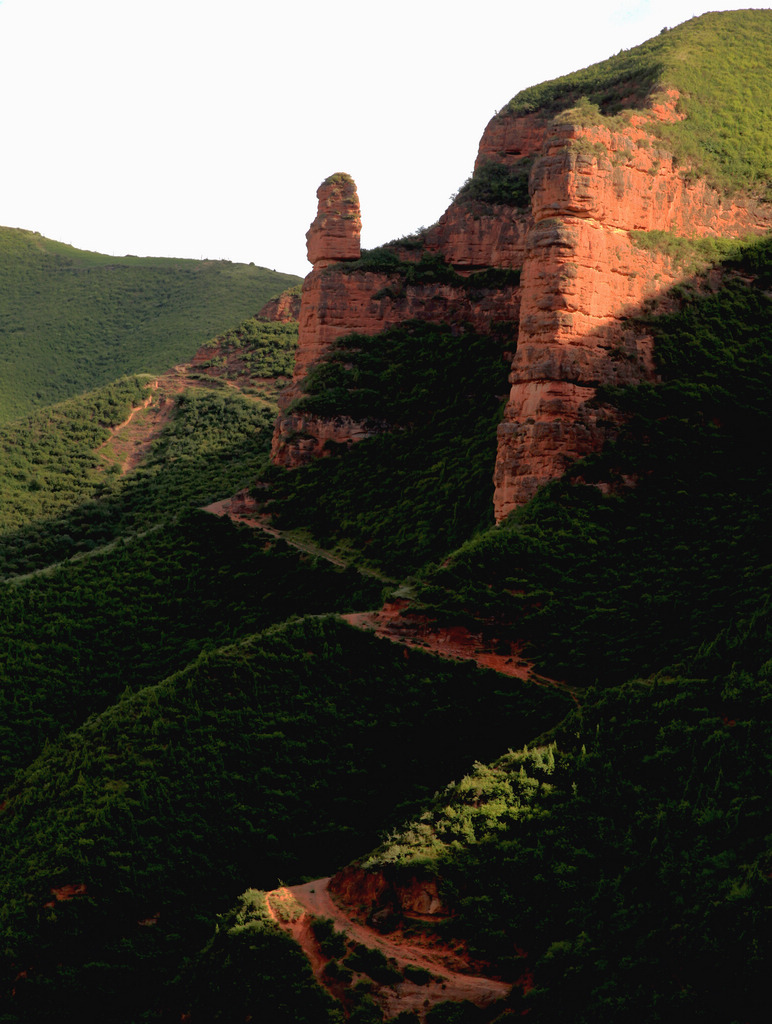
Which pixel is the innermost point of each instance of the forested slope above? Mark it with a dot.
(73, 320)
(185, 719)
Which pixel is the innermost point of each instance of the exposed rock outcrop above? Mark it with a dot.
(572, 316)
(301, 437)
(284, 308)
(338, 299)
(334, 235)
(584, 279)
(389, 897)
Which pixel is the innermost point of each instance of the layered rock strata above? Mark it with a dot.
(339, 297)
(571, 319)
(584, 280)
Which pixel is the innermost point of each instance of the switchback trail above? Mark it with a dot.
(396, 621)
(130, 441)
(242, 508)
(453, 976)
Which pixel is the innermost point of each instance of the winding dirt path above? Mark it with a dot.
(130, 441)
(395, 621)
(243, 508)
(453, 976)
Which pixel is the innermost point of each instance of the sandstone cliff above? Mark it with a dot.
(584, 279)
(571, 317)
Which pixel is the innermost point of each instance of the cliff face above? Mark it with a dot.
(338, 298)
(571, 317)
(583, 280)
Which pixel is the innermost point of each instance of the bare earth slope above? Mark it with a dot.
(454, 976)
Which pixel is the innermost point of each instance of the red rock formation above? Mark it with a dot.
(334, 235)
(402, 893)
(508, 138)
(583, 276)
(300, 437)
(336, 303)
(474, 236)
(337, 300)
(583, 280)
(283, 309)
(332, 238)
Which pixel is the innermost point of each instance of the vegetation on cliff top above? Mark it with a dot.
(496, 184)
(719, 64)
(431, 268)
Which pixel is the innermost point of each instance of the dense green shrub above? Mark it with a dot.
(425, 484)
(371, 961)
(331, 942)
(498, 184)
(431, 268)
(265, 348)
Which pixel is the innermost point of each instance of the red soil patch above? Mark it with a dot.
(395, 621)
(454, 977)
(398, 623)
(63, 893)
(243, 508)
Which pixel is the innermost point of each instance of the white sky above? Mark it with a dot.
(202, 128)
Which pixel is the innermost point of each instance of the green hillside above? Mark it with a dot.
(71, 320)
(186, 718)
(632, 835)
(718, 63)
(276, 757)
(615, 863)
(62, 498)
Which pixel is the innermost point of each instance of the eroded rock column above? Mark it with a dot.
(332, 238)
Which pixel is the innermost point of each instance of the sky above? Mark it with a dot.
(202, 128)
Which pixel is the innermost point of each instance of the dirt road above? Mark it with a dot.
(452, 975)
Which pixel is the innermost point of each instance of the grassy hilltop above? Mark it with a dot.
(719, 65)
